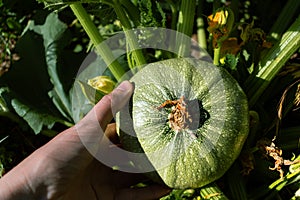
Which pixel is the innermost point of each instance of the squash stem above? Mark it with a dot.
(185, 26)
(10, 115)
(137, 54)
(285, 17)
(133, 11)
(174, 14)
(201, 27)
(102, 49)
(212, 191)
(272, 62)
(217, 51)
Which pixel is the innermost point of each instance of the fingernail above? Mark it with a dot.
(125, 86)
(121, 96)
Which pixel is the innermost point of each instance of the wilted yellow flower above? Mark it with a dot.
(220, 24)
(102, 83)
(230, 46)
(251, 34)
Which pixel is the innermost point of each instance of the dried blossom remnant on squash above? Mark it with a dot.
(185, 114)
(179, 117)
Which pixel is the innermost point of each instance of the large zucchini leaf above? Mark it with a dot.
(40, 81)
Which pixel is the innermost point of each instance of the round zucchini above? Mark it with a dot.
(187, 118)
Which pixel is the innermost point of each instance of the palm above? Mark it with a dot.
(77, 175)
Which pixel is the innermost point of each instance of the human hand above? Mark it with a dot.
(65, 169)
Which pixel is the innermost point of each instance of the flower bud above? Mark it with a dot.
(220, 24)
(102, 83)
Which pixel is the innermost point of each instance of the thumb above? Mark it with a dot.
(91, 128)
(102, 112)
(110, 104)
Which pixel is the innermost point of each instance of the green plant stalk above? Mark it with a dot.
(217, 52)
(185, 25)
(280, 183)
(103, 50)
(254, 124)
(11, 116)
(3, 106)
(212, 191)
(272, 62)
(290, 178)
(201, 33)
(5, 112)
(235, 182)
(285, 17)
(66, 123)
(201, 26)
(133, 11)
(137, 53)
(174, 14)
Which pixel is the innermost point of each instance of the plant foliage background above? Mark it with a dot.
(41, 52)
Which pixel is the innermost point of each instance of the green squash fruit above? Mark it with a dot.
(188, 119)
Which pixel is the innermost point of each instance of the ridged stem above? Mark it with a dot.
(217, 51)
(212, 191)
(174, 14)
(201, 27)
(185, 25)
(137, 54)
(285, 17)
(103, 50)
(272, 62)
(132, 11)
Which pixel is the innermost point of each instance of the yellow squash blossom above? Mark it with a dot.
(102, 83)
(220, 24)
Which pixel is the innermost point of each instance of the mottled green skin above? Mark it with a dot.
(181, 159)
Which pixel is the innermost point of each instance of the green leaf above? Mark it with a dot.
(36, 119)
(53, 33)
(29, 80)
(236, 183)
(4, 107)
(80, 104)
(231, 62)
(6, 110)
(28, 77)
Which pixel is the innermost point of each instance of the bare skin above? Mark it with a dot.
(64, 169)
